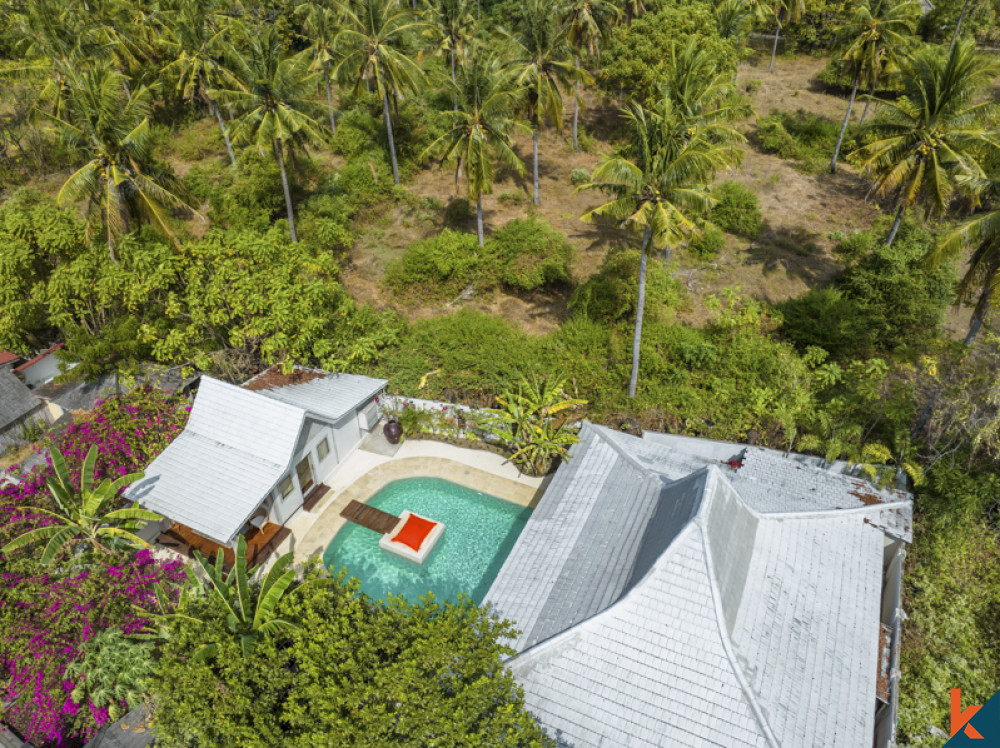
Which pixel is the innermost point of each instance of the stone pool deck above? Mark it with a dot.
(364, 472)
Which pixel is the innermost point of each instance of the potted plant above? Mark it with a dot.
(392, 428)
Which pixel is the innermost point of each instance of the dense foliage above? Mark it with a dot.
(355, 672)
(49, 615)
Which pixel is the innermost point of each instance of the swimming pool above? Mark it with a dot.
(480, 530)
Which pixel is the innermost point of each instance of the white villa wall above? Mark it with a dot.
(342, 438)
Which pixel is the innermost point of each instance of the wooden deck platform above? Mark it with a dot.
(261, 543)
(312, 498)
(370, 517)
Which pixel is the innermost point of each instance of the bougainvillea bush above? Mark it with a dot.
(48, 613)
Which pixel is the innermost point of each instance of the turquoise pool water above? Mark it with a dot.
(479, 531)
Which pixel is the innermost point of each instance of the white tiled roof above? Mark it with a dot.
(330, 397)
(235, 447)
(214, 475)
(660, 606)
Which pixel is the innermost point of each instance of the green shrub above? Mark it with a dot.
(737, 210)
(611, 294)
(512, 197)
(251, 198)
(587, 142)
(531, 254)
(438, 267)
(805, 137)
(325, 221)
(885, 301)
(774, 138)
(357, 132)
(579, 176)
(363, 181)
(636, 57)
(903, 302)
(708, 243)
(458, 210)
(826, 318)
(753, 85)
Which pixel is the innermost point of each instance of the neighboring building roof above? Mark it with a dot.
(327, 396)
(7, 357)
(656, 599)
(39, 357)
(16, 401)
(134, 730)
(235, 447)
(79, 395)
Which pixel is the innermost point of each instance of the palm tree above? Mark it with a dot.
(542, 58)
(958, 25)
(737, 17)
(373, 48)
(480, 131)
(702, 99)
(934, 134)
(85, 518)
(877, 35)
(321, 23)
(453, 22)
(197, 46)
(657, 186)
(981, 280)
(274, 111)
(121, 183)
(588, 23)
(793, 10)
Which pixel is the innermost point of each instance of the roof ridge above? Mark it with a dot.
(620, 449)
(748, 693)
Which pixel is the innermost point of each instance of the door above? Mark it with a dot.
(305, 474)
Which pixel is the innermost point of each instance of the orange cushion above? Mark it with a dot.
(414, 532)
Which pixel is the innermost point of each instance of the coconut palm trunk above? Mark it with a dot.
(576, 111)
(774, 47)
(843, 127)
(871, 94)
(329, 96)
(279, 154)
(534, 164)
(895, 227)
(479, 218)
(388, 130)
(975, 325)
(633, 381)
(454, 80)
(958, 25)
(225, 132)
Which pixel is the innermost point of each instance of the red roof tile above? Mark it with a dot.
(6, 357)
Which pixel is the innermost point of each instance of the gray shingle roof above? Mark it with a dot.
(329, 398)
(16, 401)
(660, 606)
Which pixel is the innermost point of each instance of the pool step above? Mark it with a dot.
(370, 517)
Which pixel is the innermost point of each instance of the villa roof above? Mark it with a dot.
(16, 401)
(327, 396)
(235, 447)
(661, 592)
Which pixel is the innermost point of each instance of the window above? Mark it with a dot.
(323, 449)
(286, 486)
(305, 474)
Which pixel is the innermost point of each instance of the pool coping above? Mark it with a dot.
(329, 522)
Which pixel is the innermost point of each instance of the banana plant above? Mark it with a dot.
(250, 609)
(83, 514)
(524, 422)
